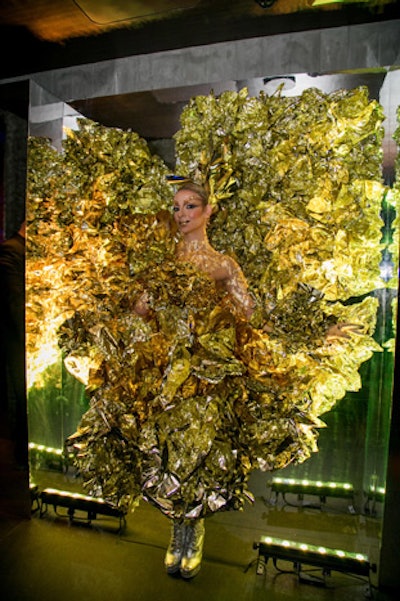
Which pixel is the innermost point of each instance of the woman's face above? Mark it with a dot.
(190, 214)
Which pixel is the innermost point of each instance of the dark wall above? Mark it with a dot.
(14, 471)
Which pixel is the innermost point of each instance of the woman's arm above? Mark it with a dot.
(236, 285)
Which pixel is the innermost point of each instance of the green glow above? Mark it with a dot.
(293, 482)
(41, 447)
(379, 489)
(308, 548)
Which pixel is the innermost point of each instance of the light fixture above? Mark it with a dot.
(312, 555)
(265, 3)
(304, 486)
(42, 456)
(374, 495)
(279, 82)
(323, 2)
(78, 502)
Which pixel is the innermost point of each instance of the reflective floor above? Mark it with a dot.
(52, 558)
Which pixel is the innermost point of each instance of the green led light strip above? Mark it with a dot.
(308, 548)
(77, 501)
(323, 2)
(317, 487)
(42, 448)
(66, 494)
(318, 555)
(314, 483)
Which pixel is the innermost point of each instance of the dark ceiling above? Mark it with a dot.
(39, 35)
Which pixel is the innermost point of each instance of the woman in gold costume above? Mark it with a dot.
(188, 396)
(193, 381)
(191, 214)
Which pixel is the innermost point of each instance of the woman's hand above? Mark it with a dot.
(142, 306)
(343, 330)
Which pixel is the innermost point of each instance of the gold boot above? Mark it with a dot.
(193, 551)
(174, 552)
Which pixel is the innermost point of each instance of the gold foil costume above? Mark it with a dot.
(188, 400)
(194, 415)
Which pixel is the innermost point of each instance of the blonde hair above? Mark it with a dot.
(197, 189)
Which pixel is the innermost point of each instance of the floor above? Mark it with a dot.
(49, 557)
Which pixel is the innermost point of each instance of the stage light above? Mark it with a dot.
(42, 456)
(375, 494)
(301, 553)
(324, 2)
(78, 502)
(318, 488)
(281, 82)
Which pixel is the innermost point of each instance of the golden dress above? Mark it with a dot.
(191, 414)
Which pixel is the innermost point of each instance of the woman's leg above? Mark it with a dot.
(175, 549)
(193, 548)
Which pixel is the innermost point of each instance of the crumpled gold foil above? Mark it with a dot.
(187, 401)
